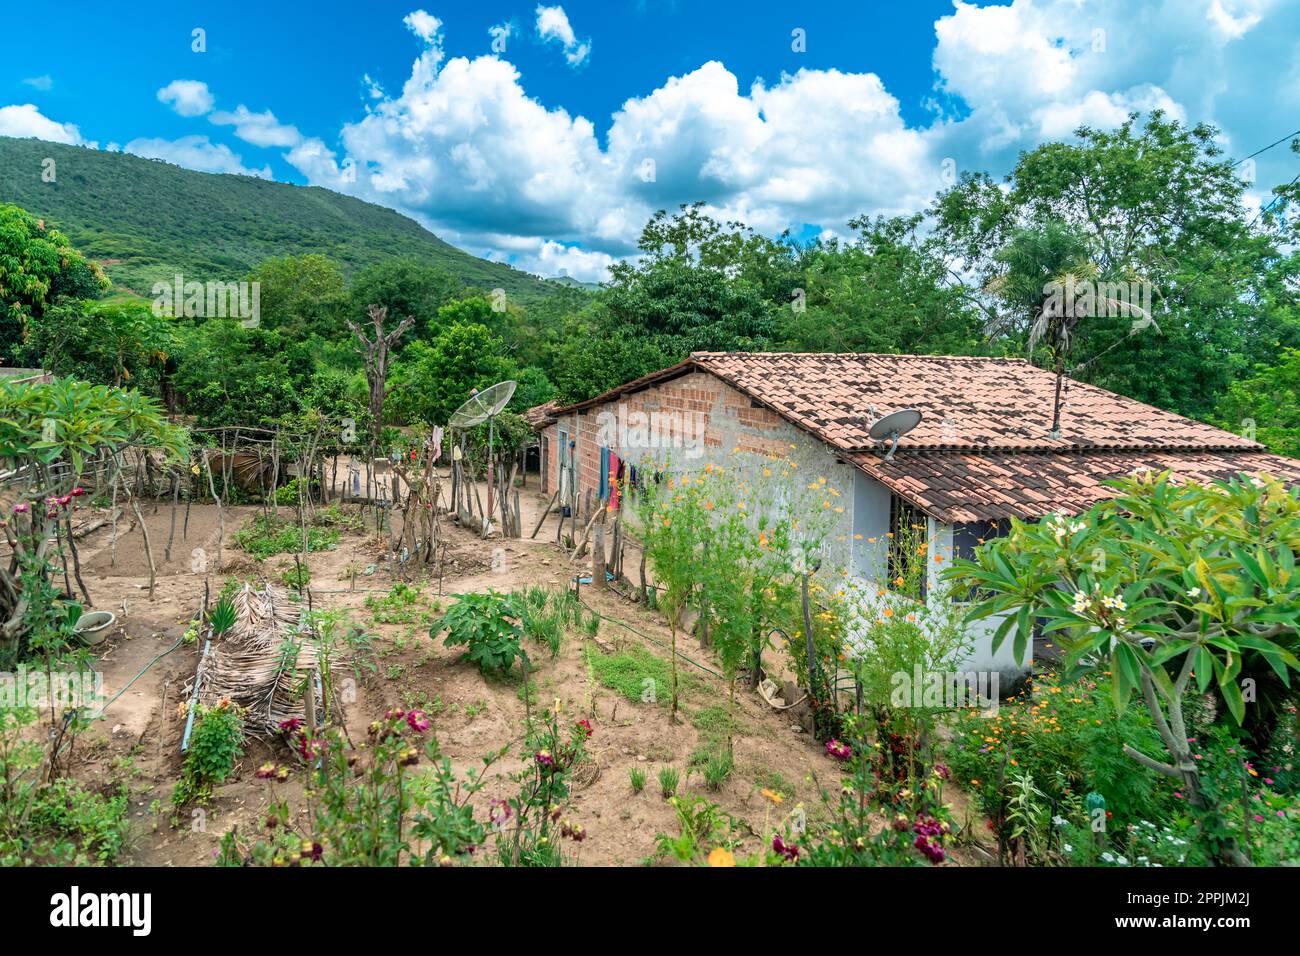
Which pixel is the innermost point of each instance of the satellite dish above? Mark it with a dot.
(893, 426)
(483, 405)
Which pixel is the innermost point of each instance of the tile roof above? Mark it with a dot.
(971, 487)
(982, 449)
(539, 416)
(966, 403)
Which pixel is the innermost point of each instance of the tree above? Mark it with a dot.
(1157, 203)
(110, 343)
(436, 377)
(377, 352)
(404, 287)
(1159, 586)
(51, 432)
(1270, 399)
(229, 375)
(301, 295)
(38, 266)
(890, 290)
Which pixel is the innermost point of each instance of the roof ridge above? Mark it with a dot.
(884, 355)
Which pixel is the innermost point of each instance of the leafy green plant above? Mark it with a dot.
(636, 777)
(296, 577)
(369, 807)
(216, 744)
(222, 617)
(266, 535)
(1158, 586)
(487, 626)
(531, 824)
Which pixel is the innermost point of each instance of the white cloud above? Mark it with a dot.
(423, 25)
(553, 24)
(42, 83)
(552, 259)
(260, 129)
(26, 120)
(195, 152)
(187, 97)
(467, 151)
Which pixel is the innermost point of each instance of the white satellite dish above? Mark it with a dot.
(893, 426)
(483, 407)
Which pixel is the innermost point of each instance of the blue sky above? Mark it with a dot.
(552, 147)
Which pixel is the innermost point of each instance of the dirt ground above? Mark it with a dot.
(139, 736)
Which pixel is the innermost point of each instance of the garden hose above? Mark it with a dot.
(647, 637)
(128, 684)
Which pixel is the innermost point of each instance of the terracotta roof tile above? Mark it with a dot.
(982, 449)
(1030, 485)
(966, 403)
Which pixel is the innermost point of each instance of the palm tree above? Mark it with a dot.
(1048, 284)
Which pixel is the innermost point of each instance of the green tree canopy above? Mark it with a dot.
(38, 266)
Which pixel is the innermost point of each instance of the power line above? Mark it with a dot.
(1267, 148)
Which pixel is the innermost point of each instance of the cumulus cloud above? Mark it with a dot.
(25, 120)
(553, 24)
(464, 149)
(260, 129)
(195, 152)
(187, 97)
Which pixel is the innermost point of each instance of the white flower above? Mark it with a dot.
(1194, 593)
(1060, 821)
(1067, 848)
(1108, 857)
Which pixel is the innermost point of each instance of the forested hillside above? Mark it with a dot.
(145, 221)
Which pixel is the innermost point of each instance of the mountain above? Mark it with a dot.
(145, 221)
(573, 283)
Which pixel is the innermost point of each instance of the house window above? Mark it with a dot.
(967, 536)
(908, 525)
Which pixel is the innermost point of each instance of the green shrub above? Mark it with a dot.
(487, 626)
(266, 535)
(216, 744)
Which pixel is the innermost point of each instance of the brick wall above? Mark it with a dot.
(712, 422)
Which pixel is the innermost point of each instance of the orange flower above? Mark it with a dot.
(721, 857)
(889, 612)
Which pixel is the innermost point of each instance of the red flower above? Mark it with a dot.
(417, 721)
(786, 850)
(586, 727)
(838, 749)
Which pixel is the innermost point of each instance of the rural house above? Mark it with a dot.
(982, 452)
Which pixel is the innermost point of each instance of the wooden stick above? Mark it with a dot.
(540, 520)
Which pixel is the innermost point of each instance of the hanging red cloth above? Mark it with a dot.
(613, 481)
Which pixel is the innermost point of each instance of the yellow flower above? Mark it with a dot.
(721, 857)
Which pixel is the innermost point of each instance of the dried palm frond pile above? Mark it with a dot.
(264, 663)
